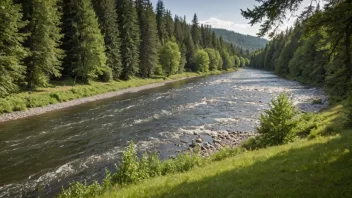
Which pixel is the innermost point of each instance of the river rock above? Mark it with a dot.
(199, 140)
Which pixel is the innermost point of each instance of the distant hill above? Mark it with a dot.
(240, 40)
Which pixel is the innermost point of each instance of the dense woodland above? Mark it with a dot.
(317, 50)
(42, 40)
(244, 42)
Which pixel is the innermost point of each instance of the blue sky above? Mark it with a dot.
(218, 13)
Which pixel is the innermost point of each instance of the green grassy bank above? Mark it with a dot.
(317, 164)
(64, 91)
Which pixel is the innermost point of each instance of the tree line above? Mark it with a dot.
(42, 40)
(317, 50)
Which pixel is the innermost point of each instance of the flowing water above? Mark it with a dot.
(39, 155)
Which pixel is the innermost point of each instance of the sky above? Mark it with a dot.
(224, 14)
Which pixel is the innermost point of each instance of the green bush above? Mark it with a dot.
(277, 123)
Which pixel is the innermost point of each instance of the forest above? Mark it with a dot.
(316, 51)
(107, 40)
(245, 42)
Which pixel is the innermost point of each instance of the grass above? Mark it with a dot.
(316, 165)
(306, 168)
(63, 91)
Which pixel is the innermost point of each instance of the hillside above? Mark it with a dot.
(244, 41)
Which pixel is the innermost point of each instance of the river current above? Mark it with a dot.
(40, 154)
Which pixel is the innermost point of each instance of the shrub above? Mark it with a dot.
(127, 172)
(201, 61)
(277, 123)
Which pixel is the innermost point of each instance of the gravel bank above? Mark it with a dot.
(41, 110)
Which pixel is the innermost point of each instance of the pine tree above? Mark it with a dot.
(107, 15)
(170, 28)
(161, 21)
(196, 34)
(130, 38)
(89, 46)
(12, 51)
(44, 42)
(276, 124)
(149, 38)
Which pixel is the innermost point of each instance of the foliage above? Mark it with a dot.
(130, 38)
(148, 53)
(44, 42)
(277, 123)
(228, 61)
(107, 15)
(89, 59)
(201, 61)
(12, 51)
(245, 42)
(169, 58)
(214, 58)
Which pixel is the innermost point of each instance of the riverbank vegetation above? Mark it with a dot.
(301, 150)
(50, 42)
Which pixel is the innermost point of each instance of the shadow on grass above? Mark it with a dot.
(319, 170)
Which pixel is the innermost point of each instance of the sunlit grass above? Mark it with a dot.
(306, 168)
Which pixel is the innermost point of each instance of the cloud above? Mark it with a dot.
(229, 25)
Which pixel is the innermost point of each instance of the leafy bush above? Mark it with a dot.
(277, 123)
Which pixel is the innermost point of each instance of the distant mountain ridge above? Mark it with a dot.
(247, 42)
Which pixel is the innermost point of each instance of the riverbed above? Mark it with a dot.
(40, 154)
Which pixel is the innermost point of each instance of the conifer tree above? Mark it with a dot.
(12, 51)
(149, 39)
(89, 48)
(130, 38)
(170, 28)
(107, 15)
(196, 34)
(44, 41)
(161, 21)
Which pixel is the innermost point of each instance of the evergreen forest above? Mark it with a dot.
(108, 40)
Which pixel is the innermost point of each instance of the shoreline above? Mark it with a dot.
(17, 115)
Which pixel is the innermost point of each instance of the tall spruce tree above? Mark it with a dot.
(89, 47)
(12, 51)
(196, 34)
(148, 53)
(130, 38)
(83, 42)
(44, 41)
(107, 15)
(161, 21)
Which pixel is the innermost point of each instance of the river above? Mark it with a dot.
(40, 154)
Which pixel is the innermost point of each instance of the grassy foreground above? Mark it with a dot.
(317, 166)
(66, 91)
(306, 168)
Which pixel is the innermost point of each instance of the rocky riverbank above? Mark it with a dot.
(211, 143)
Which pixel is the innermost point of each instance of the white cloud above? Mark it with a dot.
(229, 25)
